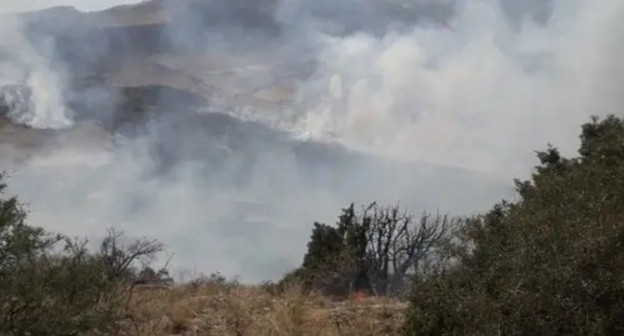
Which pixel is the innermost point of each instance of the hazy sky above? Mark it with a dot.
(84, 5)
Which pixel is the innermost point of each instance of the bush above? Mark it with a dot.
(373, 250)
(551, 263)
(52, 285)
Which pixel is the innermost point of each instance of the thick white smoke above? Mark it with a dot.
(481, 93)
(31, 87)
(476, 87)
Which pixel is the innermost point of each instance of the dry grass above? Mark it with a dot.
(221, 309)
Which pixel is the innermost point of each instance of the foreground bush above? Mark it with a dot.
(372, 250)
(51, 285)
(551, 263)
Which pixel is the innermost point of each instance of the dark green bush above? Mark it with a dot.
(551, 263)
(51, 285)
(374, 249)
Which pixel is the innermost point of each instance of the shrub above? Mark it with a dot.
(51, 285)
(374, 250)
(550, 263)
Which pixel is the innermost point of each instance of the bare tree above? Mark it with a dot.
(373, 249)
(398, 244)
(119, 256)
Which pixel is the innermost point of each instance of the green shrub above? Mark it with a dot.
(551, 263)
(375, 249)
(51, 285)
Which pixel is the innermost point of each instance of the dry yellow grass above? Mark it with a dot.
(217, 309)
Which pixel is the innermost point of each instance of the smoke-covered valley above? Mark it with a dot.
(225, 128)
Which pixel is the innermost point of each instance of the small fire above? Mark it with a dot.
(360, 296)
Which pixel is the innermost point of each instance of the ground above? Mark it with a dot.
(221, 309)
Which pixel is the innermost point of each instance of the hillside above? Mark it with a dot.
(548, 263)
(351, 167)
(168, 92)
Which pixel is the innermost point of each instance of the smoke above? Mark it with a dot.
(499, 81)
(31, 87)
(225, 130)
(13, 6)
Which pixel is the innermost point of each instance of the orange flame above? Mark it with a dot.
(360, 296)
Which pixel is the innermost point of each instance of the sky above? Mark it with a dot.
(8, 6)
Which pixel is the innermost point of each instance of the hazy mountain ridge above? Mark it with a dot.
(160, 93)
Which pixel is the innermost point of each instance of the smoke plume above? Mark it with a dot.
(31, 88)
(225, 128)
